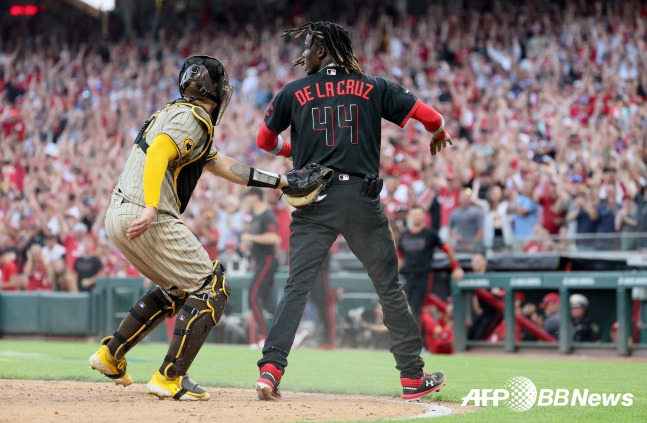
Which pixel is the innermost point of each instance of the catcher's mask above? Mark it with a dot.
(206, 77)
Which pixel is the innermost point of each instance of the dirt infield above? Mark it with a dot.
(105, 402)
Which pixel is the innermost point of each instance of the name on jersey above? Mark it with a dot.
(330, 89)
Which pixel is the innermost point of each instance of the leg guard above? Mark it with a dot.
(198, 315)
(147, 313)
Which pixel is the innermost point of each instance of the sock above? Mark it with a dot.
(273, 370)
(415, 382)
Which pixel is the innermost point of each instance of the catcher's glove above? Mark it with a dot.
(304, 185)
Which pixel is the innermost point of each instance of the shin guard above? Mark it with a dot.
(198, 315)
(146, 314)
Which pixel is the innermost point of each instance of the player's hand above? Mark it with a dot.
(457, 274)
(440, 142)
(283, 182)
(140, 225)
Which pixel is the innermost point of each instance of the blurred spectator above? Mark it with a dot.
(553, 214)
(37, 272)
(466, 225)
(87, 267)
(373, 333)
(486, 317)
(10, 272)
(626, 223)
(230, 222)
(497, 228)
(230, 257)
(540, 242)
(584, 211)
(524, 213)
(550, 305)
(613, 334)
(530, 312)
(54, 256)
(607, 209)
(449, 200)
(583, 329)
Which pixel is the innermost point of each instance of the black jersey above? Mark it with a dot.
(336, 117)
(260, 224)
(418, 250)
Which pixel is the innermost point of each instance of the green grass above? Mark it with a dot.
(358, 372)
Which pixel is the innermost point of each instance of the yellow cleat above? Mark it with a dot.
(106, 364)
(181, 388)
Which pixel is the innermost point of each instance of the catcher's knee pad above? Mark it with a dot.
(199, 314)
(148, 312)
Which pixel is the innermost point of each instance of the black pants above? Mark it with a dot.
(416, 287)
(261, 290)
(322, 297)
(363, 223)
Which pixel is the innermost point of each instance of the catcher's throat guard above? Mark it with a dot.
(305, 185)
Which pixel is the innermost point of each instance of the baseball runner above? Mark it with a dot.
(335, 114)
(143, 221)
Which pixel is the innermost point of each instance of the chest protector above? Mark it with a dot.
(186, 175)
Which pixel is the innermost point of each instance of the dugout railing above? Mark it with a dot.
(616, 308)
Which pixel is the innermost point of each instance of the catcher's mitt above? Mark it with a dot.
(304, 185)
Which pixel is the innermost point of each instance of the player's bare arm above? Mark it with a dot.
(457, 271)
(241, 174)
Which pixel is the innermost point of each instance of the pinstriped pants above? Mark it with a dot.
(167, 253)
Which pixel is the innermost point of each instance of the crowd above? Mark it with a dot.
(545, 106)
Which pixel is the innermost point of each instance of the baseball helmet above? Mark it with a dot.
(206, 77)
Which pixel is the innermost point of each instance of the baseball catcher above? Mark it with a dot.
(168, 157)
(304, 185)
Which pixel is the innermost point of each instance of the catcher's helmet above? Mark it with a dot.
(206, 77)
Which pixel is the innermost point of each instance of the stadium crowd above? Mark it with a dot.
(546, 108)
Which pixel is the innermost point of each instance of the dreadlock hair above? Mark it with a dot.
(335, 40)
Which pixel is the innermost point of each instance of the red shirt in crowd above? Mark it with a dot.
(448, 199)
(38, 279)
(9, 270)
(551, 220)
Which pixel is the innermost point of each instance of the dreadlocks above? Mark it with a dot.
(335, 40)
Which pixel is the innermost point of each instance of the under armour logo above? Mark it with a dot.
(429, 383)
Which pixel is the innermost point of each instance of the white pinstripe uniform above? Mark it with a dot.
(167, 253)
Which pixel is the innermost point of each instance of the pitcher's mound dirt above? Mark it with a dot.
(49, 401)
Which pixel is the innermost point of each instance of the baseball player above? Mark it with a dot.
(143, 221)
(415, 249)
(335, 114)
(262, 239)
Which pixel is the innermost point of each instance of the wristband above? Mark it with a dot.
(263, 179)
(440, 135)
(441, 128)
(279, 145)
(454, 265)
